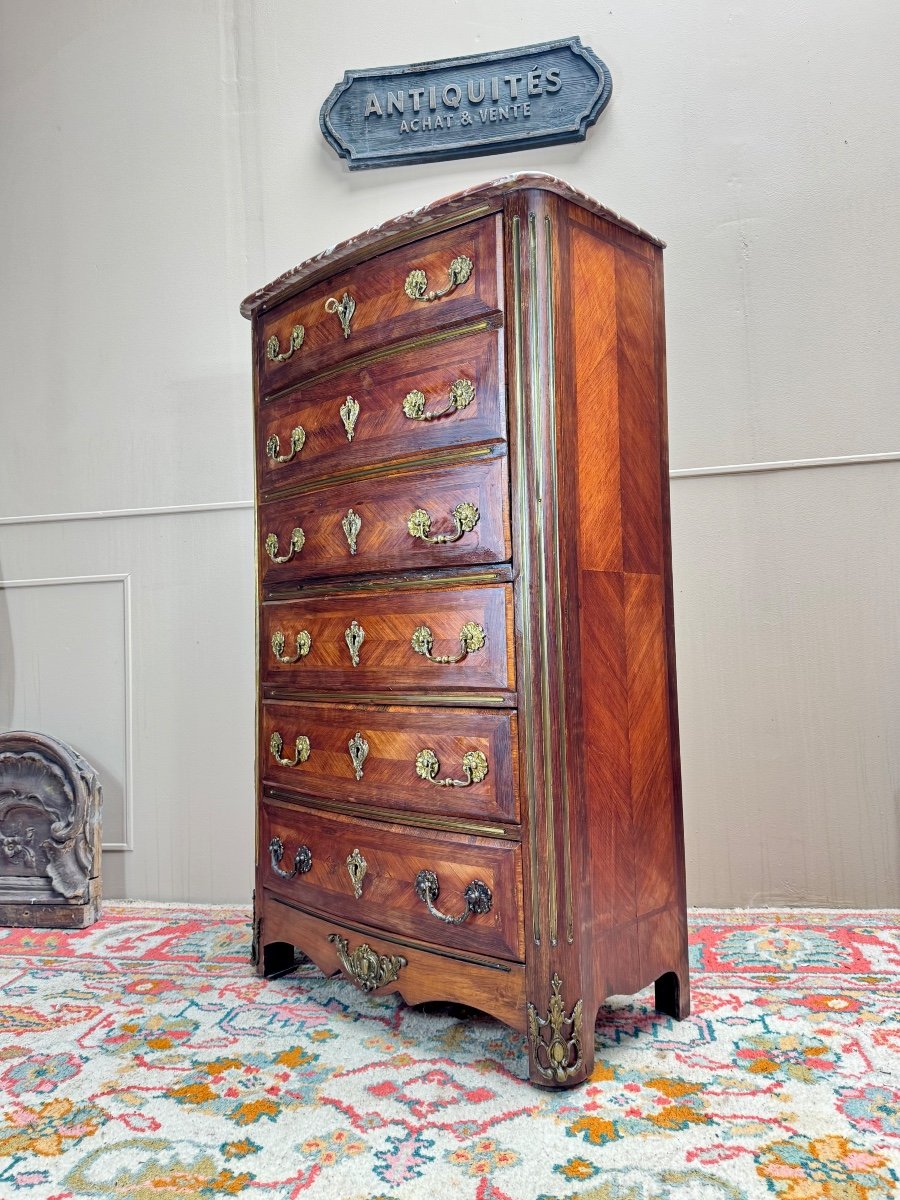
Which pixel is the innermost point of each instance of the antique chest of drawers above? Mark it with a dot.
(468, 767)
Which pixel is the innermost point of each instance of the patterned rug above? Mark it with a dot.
(142, 1059)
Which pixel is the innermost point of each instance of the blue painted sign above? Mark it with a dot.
(461, 107)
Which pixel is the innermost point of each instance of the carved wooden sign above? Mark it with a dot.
(461, 107)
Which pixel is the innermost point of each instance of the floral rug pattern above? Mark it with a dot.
(143, 1059)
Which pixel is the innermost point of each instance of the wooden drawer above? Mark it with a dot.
(425, 399)
(394, 856)
(384, 310)
(388, 641)
(318, 532)
(381, 962)
(391, 766)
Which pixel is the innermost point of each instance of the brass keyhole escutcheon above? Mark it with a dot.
(349, 411)
(344, 309)
(356, 868)
(351, 525)
(354, 636)
(359, 749)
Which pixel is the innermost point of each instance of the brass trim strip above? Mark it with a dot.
(560, 665)
(537, 450)
(432, 699)
(366, 931)
(441, 458)
(393, 816)
(354, 363)
(432, 227)
(257, 664)
(524, 556)
(424, 582)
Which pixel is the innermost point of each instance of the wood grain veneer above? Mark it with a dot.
(384, 312)
(386, 659)
(394, 855)
(382, 432)
(394, 737)
(577, 828)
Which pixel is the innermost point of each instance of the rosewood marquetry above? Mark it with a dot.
(378, 291)
(393, 856)
(382, 506)
(407, 405)
(387, 641)
(468, 767)
(394, 738)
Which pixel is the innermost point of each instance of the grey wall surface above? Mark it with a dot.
(163, 159)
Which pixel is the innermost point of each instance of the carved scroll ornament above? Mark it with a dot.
(50, 801)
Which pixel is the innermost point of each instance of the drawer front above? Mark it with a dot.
(304, 856)
(421, 641)
(387, 300)
(459, 515)
(428, 398)
(377, 962)
(396, 758)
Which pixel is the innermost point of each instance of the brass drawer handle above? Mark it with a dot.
(345, 308)
(275, 354)
(465, 516)
(478, 898)
(471, 638)
(462, 393)
(366, 968)
(304, 645)
(417, 281)
(474, 764)
(297, 539)
(302, 859)
(273, 445)
(301, 750)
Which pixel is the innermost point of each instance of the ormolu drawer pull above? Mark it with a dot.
(465, 517)
(478, 898)
(301, 750)
(462, 393)
(274, 354)
(417, 281)
(471, 638)
(345, 308)
(273, 445)
(304, 645)
(474, 764)
(297, 539)
(302, 859)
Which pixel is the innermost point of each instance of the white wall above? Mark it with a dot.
(162, 158)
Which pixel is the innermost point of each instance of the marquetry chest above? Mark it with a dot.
(468, 769)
